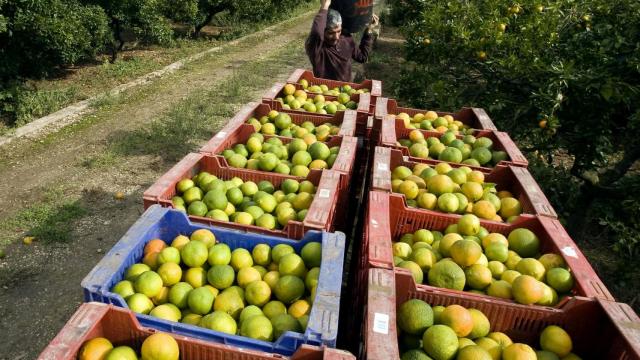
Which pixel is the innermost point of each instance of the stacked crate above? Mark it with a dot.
(380, 287)
(107, 314)
(359, 287)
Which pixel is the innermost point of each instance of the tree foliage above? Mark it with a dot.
(38, 36)
(142, 17)
(199, 13)
(560, 76)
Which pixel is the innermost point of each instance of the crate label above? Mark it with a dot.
(569, 251)
(383, 167)
(221, 134)
(381, 323)
(324, 193)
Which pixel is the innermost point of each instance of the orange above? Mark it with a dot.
(501, 338)
(527, 290)
(517, 351)
(531, 267)
(205, 236)
(457, 318)
(484, 210)
(95, 349)
(465, 252)
(494, 238)
(151, 259)
(555, 339)
(160, 346)
(155, 245)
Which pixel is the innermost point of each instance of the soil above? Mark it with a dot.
(40, 283)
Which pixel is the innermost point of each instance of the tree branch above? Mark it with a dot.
(620, 169)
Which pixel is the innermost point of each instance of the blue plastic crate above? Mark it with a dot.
(166, 224)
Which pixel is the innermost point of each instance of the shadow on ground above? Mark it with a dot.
(39, 290)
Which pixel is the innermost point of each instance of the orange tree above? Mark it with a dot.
(199, 13)
(37, 38)
(562, 77)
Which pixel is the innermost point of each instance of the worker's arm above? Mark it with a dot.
(319, 23)
(361, 53)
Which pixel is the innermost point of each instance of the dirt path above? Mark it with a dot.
(125, 145)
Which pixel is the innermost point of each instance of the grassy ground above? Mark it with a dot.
(84, 81)
(61, 188)
(182, 129)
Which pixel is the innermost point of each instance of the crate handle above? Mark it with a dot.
(242, 115)
(378, 225)
(97, 279)
(381, 108)
(65, 345)
(324, 201)
(155, 191)
(349, 120)
(382, 169)
(388, 133)
(380, 319)
(627, 322)
(376, 88)
(575, 259)
(272, 93)
(541, 204)
(483, 119)
(346, 156)
(296, 76)
(220, 137)
(326, 305)
(511, 149)
(364, 102)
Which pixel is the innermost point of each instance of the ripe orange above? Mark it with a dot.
(155, 245)
(95, 349)
(160, 346)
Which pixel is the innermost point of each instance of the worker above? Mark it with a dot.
(330, 51)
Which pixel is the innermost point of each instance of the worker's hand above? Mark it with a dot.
(324, 4)
(373, 23)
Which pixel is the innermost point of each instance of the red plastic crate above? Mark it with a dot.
(319, 217)
(346, 120)
(476, 118)
(392, 131)
(388, 218)
(600, 329)
(365, 107)
(374, 86)
(121, 327)
(343, 163)
(514, 179)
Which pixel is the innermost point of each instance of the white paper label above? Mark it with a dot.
(324, 193)
(374, 222)
(221, 134)
(381, 323)
(569, 251)
(383, 167)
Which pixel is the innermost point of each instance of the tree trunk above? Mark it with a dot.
(117, 34)
(212, 12)
(603, 188)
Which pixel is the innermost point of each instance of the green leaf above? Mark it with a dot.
(606, 91)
